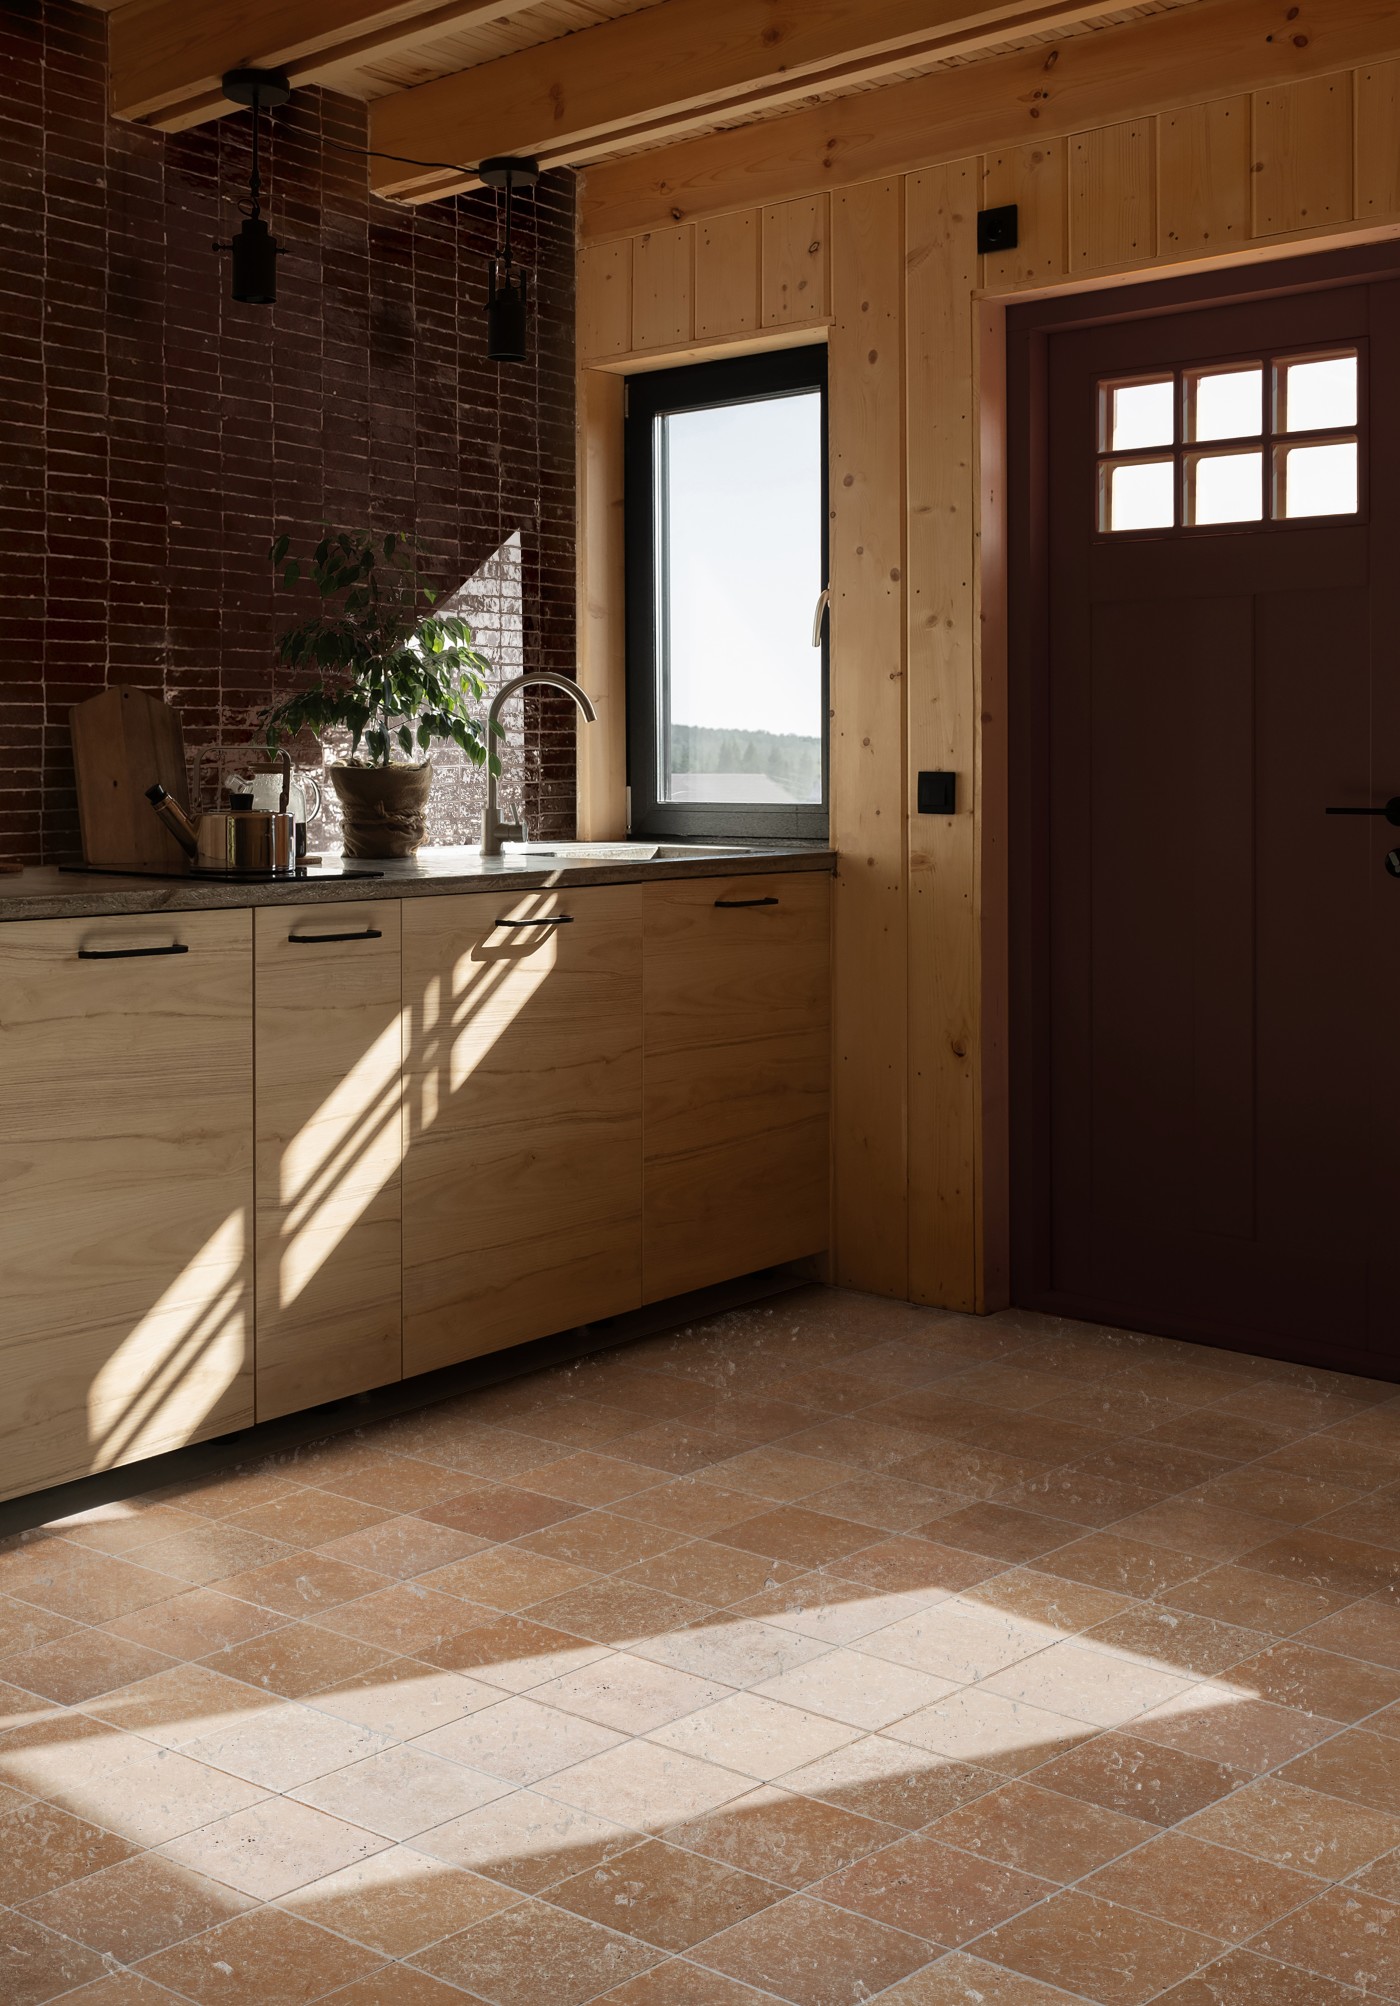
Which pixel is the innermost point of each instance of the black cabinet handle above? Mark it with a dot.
(742, 902)
(559, 919)
(320, 939)
(1391, 811)
(128, 953)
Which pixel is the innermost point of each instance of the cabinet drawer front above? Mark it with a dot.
(738, 1060)
(522, 1183)
(329, 1135)
(126, 1189)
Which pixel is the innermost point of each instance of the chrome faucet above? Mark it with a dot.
(494, 832)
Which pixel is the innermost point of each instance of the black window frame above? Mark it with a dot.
(745, 379)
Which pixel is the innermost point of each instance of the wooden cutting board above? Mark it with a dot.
(123, 742)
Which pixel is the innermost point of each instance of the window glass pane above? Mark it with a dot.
(1318, 480)
(1139, 414)
(740, 488)
(1225, 487)
(1140, 495)
(1315, 395)
(1226, 403)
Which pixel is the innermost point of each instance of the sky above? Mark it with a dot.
(746, 500)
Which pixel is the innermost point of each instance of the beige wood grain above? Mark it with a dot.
(738, 1065)
(1302, 155)
(1035, 178)
(329, 1119)
(796, 262)
(941, 260)
(523, 1118)
(1113, 196)
(727, 274)
(602, 636)
(662, 287)
(1119, 73)
(1203, 177)
(604, 280)
(126, 1167)
(868, 638)
(1378, 141)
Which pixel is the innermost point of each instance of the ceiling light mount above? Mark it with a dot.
(507, 285)
(255, 250)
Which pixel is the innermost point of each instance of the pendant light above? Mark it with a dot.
(507, 282)
(255, 250)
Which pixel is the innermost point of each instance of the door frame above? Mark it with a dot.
(1029, 327)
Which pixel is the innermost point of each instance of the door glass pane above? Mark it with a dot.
(1139, 414)
(1225, 487)
(1225, 403)
(1140, 495)
(1317, 480)
(739, 534)
(1313, 396)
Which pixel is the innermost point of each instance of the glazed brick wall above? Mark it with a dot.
(154, 435)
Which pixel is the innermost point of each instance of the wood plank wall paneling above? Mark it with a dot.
(919, 1107)
(1377, 105)
(727, 274)
(663, 267)
(602, 747)
(869, 918)
(1113, 196)
(795, 262)
(941, 268)
(1303, 156)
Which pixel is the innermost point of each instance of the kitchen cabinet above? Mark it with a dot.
(738, 1037)
(126, 1189)
(522, 1116)
(329, 1098)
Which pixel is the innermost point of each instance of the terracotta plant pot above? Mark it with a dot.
(384, 809)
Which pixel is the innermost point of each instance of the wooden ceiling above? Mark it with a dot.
(571, 81)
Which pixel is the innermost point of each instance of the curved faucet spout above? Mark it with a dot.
(494, 832)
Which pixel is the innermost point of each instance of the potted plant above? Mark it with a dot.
(394, 674)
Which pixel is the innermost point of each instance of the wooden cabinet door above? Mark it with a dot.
(738, 1057)
(328, 1042)
(126, 1189)
(523, 1122)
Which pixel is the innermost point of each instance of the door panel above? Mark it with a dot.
(1209, 1078)
(329, 1139)
(126, 1190)
(523, 1117)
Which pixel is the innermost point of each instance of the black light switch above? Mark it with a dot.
(938, 794)
(998, 229)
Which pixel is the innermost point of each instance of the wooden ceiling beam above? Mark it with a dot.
(669, 70)
(1215, 49)
(167, 56)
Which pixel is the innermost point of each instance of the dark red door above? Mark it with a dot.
(1212, 1070)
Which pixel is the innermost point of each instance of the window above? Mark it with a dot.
(1268, 440)
(726, 562)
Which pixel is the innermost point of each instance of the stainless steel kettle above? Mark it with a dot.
(249, 841)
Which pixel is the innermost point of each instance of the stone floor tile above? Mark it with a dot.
(677, 1982)
(527, 1841)
(613, 1610)
(643, 1785)
(536, 1955)
(520, 1740)
(1093, 1686)
(1209, 1888)
(205, 1550)
(180, 1705)
(123, 1988)
(778, 1475)
(961, 1979)
(1249, 1735)
(302, 1583)
(1322, 1682)
(272, 1847)
(295, 1659)
(929, 1889)
(396, 1483)
(795, 1533)
(1122, 1773)
(404, 1698)
(1343, 1935)
(195, 1622)
(1067, 1608)
(402, 1546)
(812, 1954)
(498, 1511)
(1361, 1767)
(863, 1691)
(511, 1652)
(667, 1897)
(1043, 1832)
(990, 1730)
(77, 1667)
(131, 1910)
(36, 1964)
(704, 1571)
(1369, 1630)
(42, 1847)
(311, 1518)
(1175, 1640)
(506, 1577)
(1259, 1601)
(405, 1619)
(782, 1837)
(1112, 1560)
(1242, 1979)
(143, 1793)
(1114, 1956)
(267, 1956)
(629, 1693)
(398, 1902)
(283, 1745)
(401, 1791)
(25, 1627)
(1298, 1828)
(602, 1541)
(759, 1737)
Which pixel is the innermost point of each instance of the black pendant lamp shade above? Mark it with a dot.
(254, 249)
(507, 285)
